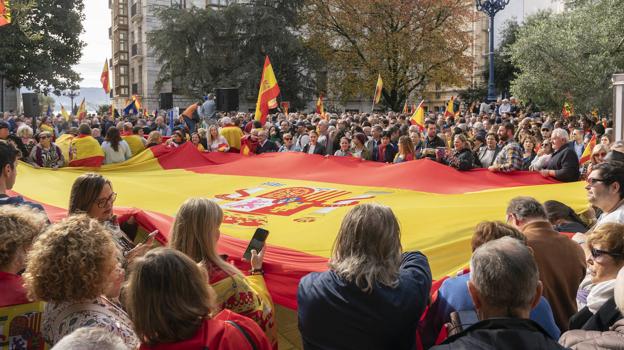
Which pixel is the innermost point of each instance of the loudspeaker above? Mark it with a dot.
(227, 100)
(31, 105)
(166, 100)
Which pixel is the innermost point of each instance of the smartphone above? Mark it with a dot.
(256, 243)
(151, 235)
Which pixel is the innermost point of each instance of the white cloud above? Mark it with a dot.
(98, 48)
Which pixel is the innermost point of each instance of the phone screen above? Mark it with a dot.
(256, 243)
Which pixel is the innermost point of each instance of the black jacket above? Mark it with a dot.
(269, 146)
(462, 160)
(604, 318)
(501, 334)
(319, 149)
(565, 163)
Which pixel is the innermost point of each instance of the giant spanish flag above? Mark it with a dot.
(5, 12)
(302, 206)
(268, 92)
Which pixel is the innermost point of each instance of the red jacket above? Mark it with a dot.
(221, 333)
(13, 292)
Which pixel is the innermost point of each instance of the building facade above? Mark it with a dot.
(134, 67)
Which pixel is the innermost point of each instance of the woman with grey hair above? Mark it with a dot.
(373, 295)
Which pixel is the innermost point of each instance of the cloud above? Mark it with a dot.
(98, 48)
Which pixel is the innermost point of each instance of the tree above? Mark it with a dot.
(570, 56)
(203, 49)
(504, 69)
(44, 102)
(103, 109)
(40, 46)
(411, 43)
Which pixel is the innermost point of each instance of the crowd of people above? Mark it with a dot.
(544, 278)
(503, 137)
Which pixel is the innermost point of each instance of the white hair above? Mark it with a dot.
(560, 133)
(24, 131)
(91, 338)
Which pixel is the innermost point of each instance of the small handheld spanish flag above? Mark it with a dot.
(5, 12)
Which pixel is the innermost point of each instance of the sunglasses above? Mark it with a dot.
(602, 154)
(595, 253)
(287, 138)
(43, 137)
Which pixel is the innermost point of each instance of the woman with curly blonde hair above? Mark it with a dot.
(19, 226)
(195, 233)
(73, 267)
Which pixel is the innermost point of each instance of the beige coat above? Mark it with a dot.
(612, 339)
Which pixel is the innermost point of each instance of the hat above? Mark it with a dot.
(4, 124)
(226, 121)
(301, 124)
(547, 126)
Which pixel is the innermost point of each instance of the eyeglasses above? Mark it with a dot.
(595, 253)
(602, 154)
(102, 202)
(287, 138)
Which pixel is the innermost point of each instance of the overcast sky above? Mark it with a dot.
(98, 49)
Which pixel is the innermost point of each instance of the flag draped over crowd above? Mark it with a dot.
(302, 207)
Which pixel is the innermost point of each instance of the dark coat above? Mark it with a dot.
(565, 163)
(336, 314)
(269, 146)
(501, 334)
(604, 318)
(319, 149)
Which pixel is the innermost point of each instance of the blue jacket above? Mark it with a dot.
(19, 201)
(453, 296)
(335, 314)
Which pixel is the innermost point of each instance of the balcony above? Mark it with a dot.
(135, 12)
(136, 51)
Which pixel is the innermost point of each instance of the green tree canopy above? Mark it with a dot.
(570, 56)
(203, 49)
(40, 46)
(411, 43)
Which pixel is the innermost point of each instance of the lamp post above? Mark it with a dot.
(71, 93)
(491, 8)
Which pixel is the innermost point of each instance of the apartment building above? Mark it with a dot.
(134, 67)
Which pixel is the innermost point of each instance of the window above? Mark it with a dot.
(133, 74)
(123, 39)
(123, 56)
(123, 80)
(123, 70)
(124, 91)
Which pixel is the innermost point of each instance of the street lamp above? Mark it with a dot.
(491, 7)
(71, 93)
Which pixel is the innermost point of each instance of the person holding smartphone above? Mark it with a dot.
(195, 232)
(92, 194)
